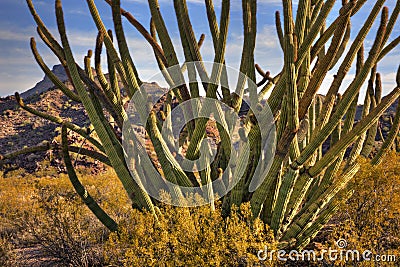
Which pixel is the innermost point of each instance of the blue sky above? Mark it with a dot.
(19, 71)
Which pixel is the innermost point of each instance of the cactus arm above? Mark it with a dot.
(285, 191)
(59, 52)
(87, 65)
(358, 145)
(360, 60)
(321, 53)
(346, 64)
(371, 134)
(182, 92)
(342, 46)
(299, 191)
(110, 143)
(279, 31)
(43, 29)
(126, 58)
(132, 20)
(292, 108)
(301, 19)
(274, 100)
(391, 22)
(304, 72)
(163, 34)
(121, 115)
(238, 191)
(167, 46)
(212, 22)
(205, 176)
(193, 86)
(212, 87)
(161, 65)
(309, 212)
(392, 133)
(170, 167)
(315, 29)
(53, 44)
(50, 74)
(46, 146)
(389, 47)
(361, 127)
(328, 33)
(90, 153)
(60, 121)
(96, 93)
(104, 218)
(272, 82)
(39, 148)
(220, 50)
(186, 25)
(260, 195)
(142, 156)
(97, 63)
(322, 68)
(348, 97)
(270, 200)
(112, 74)
(215, 34)
(246, 64)
(249, 35)
(330, 172)
(291, 73)
(265, 75)
(322, 219)
(128, 79)
(315, 9)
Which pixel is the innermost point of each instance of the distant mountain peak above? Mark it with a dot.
(45, 84)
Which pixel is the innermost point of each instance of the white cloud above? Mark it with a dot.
(16, 34)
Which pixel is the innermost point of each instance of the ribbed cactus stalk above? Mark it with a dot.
(304, 184)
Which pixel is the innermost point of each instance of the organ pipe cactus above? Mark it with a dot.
(298, 192)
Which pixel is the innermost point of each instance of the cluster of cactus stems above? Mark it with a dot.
(305, 185)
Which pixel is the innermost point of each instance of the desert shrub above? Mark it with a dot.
(47, 214)
(7, 255)
(62, 229)
(370, 220)
(189, 237)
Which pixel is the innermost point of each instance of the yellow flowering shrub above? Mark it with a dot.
(370, 219)
(189, 237)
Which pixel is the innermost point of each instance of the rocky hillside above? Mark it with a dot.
(20, 129)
